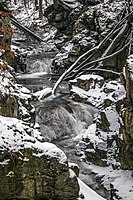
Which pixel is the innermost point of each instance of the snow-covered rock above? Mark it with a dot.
(94, 90)
(15, 100)
(82, 26)
(27, 164)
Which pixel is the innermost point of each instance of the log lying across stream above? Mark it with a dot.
(25, 29)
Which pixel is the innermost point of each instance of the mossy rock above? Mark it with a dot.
(8, 106)
(36, 177)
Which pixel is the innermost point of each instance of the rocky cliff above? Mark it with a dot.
(82, 25)
(126, 148)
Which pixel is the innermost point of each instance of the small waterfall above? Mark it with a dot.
(60, 118)
(39, 65)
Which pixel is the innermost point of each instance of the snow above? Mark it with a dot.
(73, 165)
(70, 3)
(25, 90)
(98, 93)
(130, 65)
(99, 139)
(127, 186)
(1, 52)
(113, 119)
(91, 134)
(71, 173)
(50, 150)
(95, 96)
(130, 60)
(43, 93)
(68, 47)
(121, 180)
(87, 192)
(9, 86)
(90, 76)
(16, 135)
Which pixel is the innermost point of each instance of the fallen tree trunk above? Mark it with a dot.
(103, 58)
(26, 30)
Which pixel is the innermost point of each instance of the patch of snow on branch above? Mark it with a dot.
(90, 76)
(43, 93)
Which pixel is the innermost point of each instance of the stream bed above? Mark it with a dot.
(63, 122)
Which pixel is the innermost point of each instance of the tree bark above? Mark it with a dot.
(25, 3)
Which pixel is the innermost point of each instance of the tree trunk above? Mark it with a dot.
(25, 3)
(36, 4)
(40, 9)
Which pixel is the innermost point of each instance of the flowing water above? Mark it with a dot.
(62, 120)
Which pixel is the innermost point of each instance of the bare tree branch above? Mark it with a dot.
(106, 57)
(113, 44)
(90, 52)
(98, 60)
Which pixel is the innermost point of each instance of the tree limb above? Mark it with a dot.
(113, 44)
(88, 53)
(98, 60)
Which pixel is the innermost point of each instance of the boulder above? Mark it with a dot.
(31, 169)
(15, 100)
(100, 141)
(87, 82)
(58, 13)
(93, 89)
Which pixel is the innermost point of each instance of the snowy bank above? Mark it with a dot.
(87, 193)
